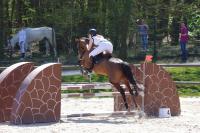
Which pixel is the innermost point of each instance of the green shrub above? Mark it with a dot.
(185, 73)
(185, 90)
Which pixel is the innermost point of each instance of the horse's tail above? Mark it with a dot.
(54, 42)
(128, 73)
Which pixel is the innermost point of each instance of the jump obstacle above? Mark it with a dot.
(30, 95)
(160, 91)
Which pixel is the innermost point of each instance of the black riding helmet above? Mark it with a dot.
(93, 32)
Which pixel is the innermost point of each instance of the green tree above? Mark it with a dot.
(114, 19)
(1, 27)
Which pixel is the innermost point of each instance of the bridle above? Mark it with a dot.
(82, 51)
(82, 69)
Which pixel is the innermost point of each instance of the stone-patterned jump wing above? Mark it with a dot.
(160, 91)
(10, 81)
(39, 97)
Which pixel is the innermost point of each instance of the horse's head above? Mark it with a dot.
(83, 53)
(81, 45)
(12, 41)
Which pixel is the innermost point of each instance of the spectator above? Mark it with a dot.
(143, 32)
(183, 39)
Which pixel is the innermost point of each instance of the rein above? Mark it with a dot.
(82, 55)
(82, 68)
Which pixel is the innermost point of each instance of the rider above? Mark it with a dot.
(101, 44)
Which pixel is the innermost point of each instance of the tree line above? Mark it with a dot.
(115, 19)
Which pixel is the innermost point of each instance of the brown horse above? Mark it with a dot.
(118, 72)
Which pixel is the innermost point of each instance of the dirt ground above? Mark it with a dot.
(187, 122)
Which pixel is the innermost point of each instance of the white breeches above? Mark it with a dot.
(22, 46)
(104, 46)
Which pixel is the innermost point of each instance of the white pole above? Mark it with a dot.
(144, 86)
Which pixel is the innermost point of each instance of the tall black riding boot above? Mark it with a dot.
(92, 63)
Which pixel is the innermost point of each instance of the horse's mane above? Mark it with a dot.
(85, 39)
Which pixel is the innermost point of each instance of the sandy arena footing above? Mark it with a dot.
(187, 122)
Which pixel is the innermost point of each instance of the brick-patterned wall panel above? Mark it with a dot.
(160, 91)
(10, 81)
(39, 97)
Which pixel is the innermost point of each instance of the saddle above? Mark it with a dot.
(98, 58)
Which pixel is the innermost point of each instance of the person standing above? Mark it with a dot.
(183, 39)
(143, 32)
(22, 42)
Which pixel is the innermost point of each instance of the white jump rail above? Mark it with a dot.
(85, 86)
(117, 113)
(89, 95)
(90, 87)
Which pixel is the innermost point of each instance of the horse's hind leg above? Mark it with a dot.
(130, 77)
(131, 92)
(122, 92)
(55, 52)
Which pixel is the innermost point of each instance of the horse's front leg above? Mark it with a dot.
(47, 47)
(122, 92)
(29, 48)
(55, 52)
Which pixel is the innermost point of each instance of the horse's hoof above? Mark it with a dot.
(141, 93)
(141, 114)
(137, 108)
(22, 59)
(140, 87)
(126, 105)
(136, 93)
